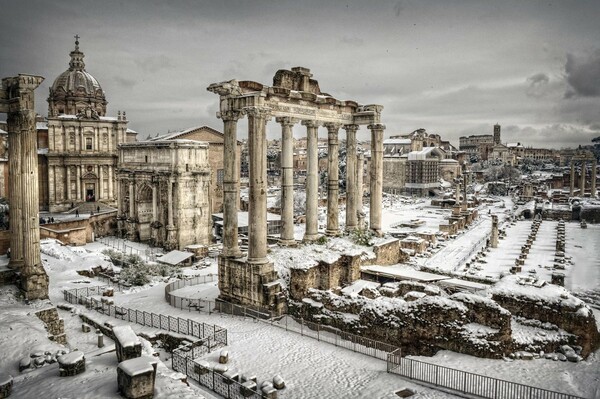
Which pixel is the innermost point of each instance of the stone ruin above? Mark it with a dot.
(71, 364)
(294, 97)
(6, 384)
(136, 377)
(127, 344)
(421, 319)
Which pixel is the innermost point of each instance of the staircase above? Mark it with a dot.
(89, 207)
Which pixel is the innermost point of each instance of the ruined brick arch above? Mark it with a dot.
(145, 193)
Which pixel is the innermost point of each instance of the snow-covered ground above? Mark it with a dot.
(310, 368)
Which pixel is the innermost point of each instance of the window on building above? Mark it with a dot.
(88, 143)
(220, 176)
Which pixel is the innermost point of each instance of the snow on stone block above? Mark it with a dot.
(220, 368)
(128, 345)
(248, 388)
(414, 295)
(269, 391)
(201, 367)
(224, 356)
(135, 377)
(278, 382)
(71, 364)
(248, 377)
(6, 383)
(230, 376)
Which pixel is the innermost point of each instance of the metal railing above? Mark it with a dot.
(122, 246)
(83, 296)
(320, 332)
(184, 361)
(466, 382)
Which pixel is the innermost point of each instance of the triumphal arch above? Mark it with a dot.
(293, 98)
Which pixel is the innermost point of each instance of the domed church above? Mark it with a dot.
(78, 143)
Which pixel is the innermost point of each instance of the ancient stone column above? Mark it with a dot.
(110, 183)
(15, 209)
(464, 187)
(78, 182)
(333, 184)
(231, 183)
(582, 183)
(154, 202)
(360, 190)
(457, 194)
(257, 208)
(376, 176)
(572, 186)
(494, 236)
(594, 176)
(131, 198)
(171, 242)
(100, 182)
(21, 122)
(287, 175)
(68, 182)
(351, 190)
(312, 181)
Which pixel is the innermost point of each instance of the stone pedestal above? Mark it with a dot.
(250, 284)
(136, 377)
(71, 364)
(127, 344)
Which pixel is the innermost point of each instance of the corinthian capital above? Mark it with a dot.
(259, 112)
(376, 127)
(311, 123)
(286, 120)
(350, 128)
(231, 115)
(332, 127)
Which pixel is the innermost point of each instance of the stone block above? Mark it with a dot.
(224, 357)
(248, 389)
(6, 384)
(127, 344)
(136, 377)
(278, 382)
(71, 364)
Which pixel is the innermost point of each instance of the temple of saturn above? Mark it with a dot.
(17, 100)
(294, 98)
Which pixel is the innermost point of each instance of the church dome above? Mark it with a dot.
(75, 90)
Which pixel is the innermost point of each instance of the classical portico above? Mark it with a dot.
(293, 98)
(583, 160)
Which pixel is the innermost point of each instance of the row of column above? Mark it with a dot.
(257, 149)
(593, 176)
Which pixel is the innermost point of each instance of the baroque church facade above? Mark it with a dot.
(78, 143)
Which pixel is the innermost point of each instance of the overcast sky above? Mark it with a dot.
(452, 67)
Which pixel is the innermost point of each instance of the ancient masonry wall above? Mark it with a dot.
(54, 324)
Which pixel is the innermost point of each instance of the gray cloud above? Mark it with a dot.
(583, 75)
(537, 84)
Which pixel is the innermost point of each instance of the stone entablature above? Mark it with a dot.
(165, 192)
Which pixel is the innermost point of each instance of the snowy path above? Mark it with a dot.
(458, 251)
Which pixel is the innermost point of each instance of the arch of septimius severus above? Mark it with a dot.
(294, 98)
(17, 100)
